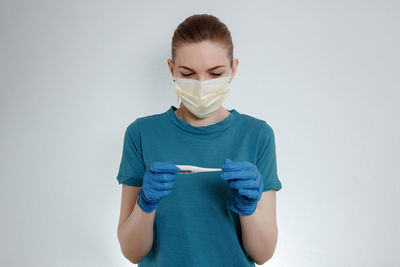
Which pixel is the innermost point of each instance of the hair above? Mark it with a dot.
(202, 27)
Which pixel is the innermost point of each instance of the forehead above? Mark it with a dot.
(203, 55)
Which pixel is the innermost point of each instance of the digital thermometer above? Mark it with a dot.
(188, 169)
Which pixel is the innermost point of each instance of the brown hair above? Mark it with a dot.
(202, 27)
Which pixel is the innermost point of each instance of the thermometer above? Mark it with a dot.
(187, 169)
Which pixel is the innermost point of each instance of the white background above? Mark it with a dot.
(323, 74)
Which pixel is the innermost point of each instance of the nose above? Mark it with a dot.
(203, 77)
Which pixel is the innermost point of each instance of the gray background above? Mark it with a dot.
(323, 74)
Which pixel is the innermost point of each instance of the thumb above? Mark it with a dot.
(226, 163)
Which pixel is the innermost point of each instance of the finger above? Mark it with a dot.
(163, 177)
(230, 165)
(245, 184)
(165, 193)
(163, 167)
(164, 186)
(252, 194)
(239, 175)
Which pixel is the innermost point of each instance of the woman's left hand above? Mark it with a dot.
(246, 185)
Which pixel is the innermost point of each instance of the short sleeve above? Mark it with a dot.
(132, 167)
(266, 158)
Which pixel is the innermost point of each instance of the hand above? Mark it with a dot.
(246, 185)
(158, 182)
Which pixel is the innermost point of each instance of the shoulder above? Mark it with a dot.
(144, 122)
(259, 125)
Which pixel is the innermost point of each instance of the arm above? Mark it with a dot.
(135, 227)
(259, 230)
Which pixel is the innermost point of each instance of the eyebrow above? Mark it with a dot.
(216, 67)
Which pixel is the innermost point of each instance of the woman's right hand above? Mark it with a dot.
(158, 182)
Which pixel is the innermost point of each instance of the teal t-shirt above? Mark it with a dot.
(194, 225)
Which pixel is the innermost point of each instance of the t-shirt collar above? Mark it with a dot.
(202, 130)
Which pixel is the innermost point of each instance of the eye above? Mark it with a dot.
(186, 74)
(217, 74)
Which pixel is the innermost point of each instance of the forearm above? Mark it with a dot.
(136, 234)
(259, 235)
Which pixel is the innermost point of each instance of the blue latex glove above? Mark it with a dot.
(158, 182)
(246, 184)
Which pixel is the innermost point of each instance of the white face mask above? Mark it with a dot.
(202, 97)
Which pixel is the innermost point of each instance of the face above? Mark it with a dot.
(202, 61)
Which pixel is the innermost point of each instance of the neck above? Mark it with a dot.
(184, 114)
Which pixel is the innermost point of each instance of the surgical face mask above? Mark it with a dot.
(202, 97)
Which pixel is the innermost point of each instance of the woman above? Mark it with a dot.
(225, 218)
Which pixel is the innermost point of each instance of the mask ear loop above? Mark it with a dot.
(229, 82)
(178, 99)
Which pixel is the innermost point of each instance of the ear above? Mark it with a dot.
(171, 67)
(235, 65)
